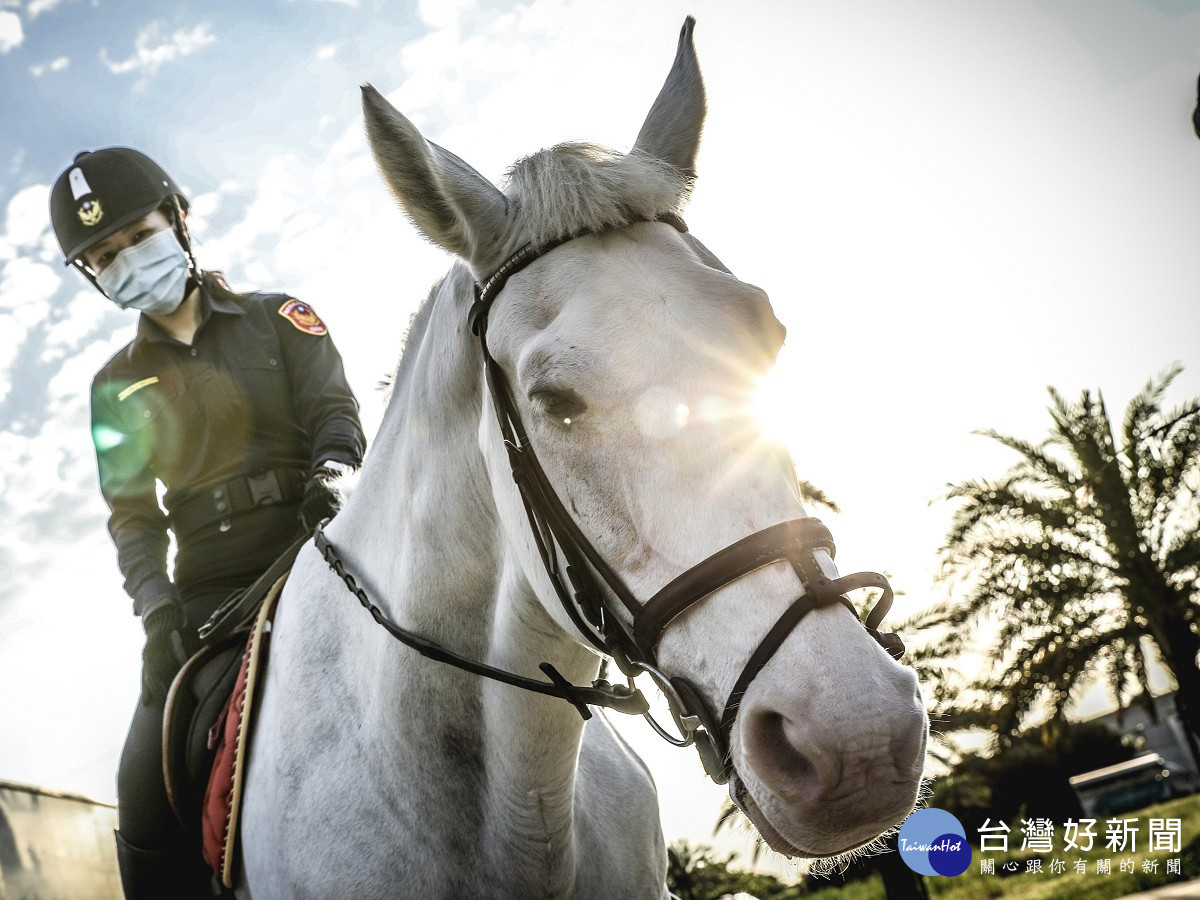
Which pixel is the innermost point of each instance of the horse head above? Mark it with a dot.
(629, 354)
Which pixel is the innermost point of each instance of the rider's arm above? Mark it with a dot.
(136, 522)
(324, 403)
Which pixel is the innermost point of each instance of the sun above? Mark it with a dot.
(772, 404)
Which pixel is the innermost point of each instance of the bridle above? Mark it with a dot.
(590, 590)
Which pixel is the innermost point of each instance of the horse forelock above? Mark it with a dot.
(576, 188)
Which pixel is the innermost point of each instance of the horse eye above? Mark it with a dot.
(561, 405)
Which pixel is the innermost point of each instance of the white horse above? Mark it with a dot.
(628, 353)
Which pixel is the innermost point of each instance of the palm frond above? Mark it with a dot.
(1184, 559)
(1061, 569)
(810, 493)
(1035, 460)
(1147, 405)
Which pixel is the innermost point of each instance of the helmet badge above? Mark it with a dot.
(90, 212)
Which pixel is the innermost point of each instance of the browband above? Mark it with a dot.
(485, 293)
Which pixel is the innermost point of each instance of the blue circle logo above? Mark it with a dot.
(933, 842)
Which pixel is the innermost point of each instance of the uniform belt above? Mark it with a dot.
(222, 502)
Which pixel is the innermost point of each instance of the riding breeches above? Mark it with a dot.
(143, 811)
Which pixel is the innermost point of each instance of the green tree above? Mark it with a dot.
(1080, 562)
(694, 873)
(1028, 776)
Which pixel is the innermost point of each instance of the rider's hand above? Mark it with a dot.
(320, 501)
(164, 654)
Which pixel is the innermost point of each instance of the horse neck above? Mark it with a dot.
(423, 519)
(420, 515)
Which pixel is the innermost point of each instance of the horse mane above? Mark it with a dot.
(418, 324)
(575, 188)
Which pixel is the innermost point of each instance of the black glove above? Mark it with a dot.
(320, 501)
(164, 654)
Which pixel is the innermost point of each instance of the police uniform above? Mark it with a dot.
(232, 425)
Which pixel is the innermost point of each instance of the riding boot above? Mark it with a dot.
(157, 874)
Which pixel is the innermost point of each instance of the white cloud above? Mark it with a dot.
(11, 33)
(37, 7)
(17, 163)
(26, 218)
(201, 208)
(26, 285)
(152, 49)
(58, 64)
(68, 393)
(25, 291)
(10, 347)
(25, 288)
(84, 313)
(441, 13)
(328, 51)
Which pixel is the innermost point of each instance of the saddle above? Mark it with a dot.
(206, 736)
(196, 704)
(207, 716)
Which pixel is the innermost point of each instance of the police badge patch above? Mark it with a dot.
(302, 316)
(90, 212)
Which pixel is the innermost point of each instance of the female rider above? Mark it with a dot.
(238, 405)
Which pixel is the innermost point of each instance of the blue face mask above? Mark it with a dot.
(150, 275)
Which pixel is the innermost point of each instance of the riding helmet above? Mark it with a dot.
(102, 191)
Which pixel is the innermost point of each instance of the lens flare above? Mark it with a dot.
(771, 404)
(105, 438)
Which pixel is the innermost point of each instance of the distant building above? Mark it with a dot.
(56, 846)
(1128, 785)
(1167, 765)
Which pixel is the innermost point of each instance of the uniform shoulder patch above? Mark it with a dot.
(303, 317)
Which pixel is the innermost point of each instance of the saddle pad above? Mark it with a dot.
(192, 720)
(222, 799)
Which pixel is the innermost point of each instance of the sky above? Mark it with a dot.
(952, 205)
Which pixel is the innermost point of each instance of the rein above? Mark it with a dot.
(589, 588)
(601, 693)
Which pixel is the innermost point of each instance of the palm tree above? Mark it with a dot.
(1080, 562)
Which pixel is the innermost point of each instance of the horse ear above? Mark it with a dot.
(672, 128)
(448, 201)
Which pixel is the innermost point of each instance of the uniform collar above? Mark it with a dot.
(210, 303)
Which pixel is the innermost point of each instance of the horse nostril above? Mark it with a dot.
(788, 758)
